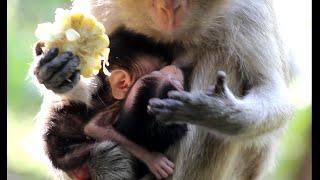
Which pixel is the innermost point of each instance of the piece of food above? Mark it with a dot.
(79, 33)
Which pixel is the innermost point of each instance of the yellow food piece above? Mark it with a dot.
(81, 34)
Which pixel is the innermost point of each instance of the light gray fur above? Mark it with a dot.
(239, 37)
(109, 161)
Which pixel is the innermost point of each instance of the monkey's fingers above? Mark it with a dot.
(177, 84)
(66, 72)
(48, 69)
(155, 172)
(180, 96)
(50, 55)
(169, 163)
(210, 90)
(66, 85)
(221, 83)
(44, 58)
(158, 111)
(156, 73)
(165, 103)
(166, 167)
(162, 172)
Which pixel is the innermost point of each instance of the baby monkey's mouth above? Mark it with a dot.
(168, 15)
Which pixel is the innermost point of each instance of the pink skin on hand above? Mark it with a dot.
(159, 165)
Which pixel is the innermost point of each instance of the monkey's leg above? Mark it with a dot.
(109, 161)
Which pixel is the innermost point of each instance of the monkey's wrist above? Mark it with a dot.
(109, 134)
(148, 157)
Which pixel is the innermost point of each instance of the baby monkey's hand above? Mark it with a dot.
(159, 165)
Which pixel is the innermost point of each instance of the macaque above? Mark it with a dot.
(133, 121)
(237, 102)
(233, 128)
(136, 124)
(69, 139)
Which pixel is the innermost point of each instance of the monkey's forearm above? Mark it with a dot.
(263, 109)
(111, 134)
(75, 158)
(257, 113)
(138, 151)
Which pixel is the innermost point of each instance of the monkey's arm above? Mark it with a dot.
(65, 154)
(66, 145)
(263, 109)
(158, 164)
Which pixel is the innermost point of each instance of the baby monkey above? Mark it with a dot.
(134, 122)
(134, 80)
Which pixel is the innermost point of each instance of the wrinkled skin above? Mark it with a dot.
(198, 107)
(57, 72)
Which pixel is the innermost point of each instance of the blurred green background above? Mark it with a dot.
(25, 160)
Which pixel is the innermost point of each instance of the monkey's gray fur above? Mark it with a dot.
(109, 161)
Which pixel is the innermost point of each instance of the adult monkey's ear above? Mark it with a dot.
(120, 81)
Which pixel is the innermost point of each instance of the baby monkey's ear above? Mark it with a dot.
(120, 81)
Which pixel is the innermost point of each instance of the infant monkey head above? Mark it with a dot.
(126, 71)
(121, 80)
(132, 56)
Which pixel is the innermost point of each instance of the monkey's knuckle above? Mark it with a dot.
(221, 74)
(67, 54)
(164, 159)
(156, 73)
(49, 67)
(75, 60)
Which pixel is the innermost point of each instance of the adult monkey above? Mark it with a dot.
(235, 128)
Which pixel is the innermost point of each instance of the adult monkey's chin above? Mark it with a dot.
(168, 15)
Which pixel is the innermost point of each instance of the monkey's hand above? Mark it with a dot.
(58, 72)
(212, 109)
(159, 165)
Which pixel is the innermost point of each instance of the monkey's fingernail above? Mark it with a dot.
(155, 102)
(68, 80)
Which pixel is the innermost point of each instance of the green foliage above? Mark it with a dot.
(23, 98)
(296, 141)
